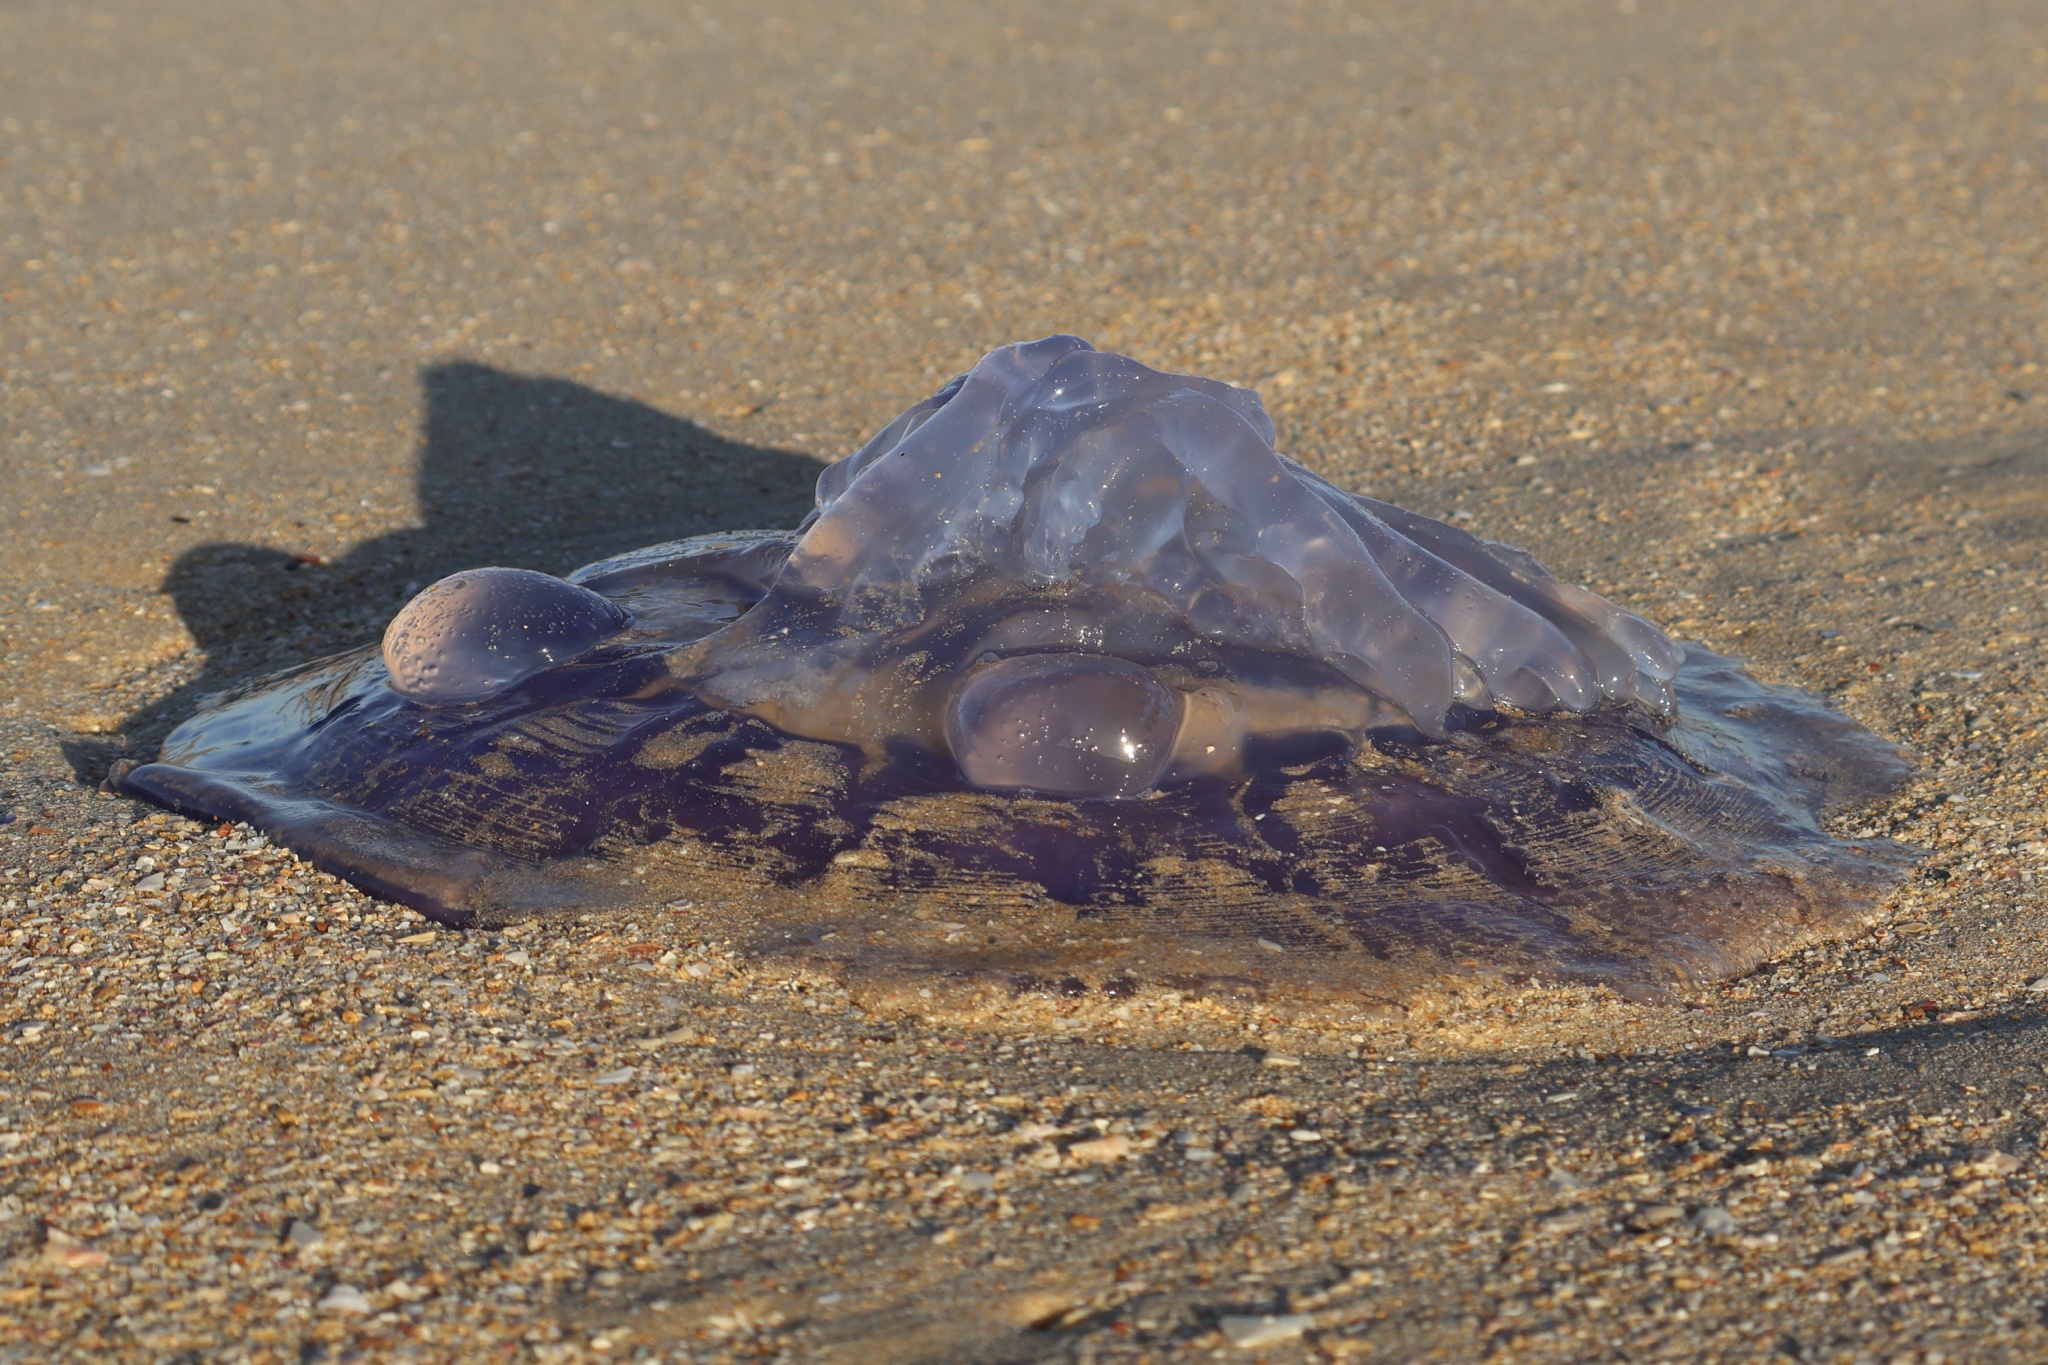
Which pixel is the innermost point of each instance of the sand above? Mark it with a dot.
(1731, 312)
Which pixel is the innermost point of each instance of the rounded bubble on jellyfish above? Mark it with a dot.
(476, 633)
(1072, 659)
(1063, 724)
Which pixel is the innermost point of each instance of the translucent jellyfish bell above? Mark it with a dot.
(1094, 485)
(477, 633)
(1074, 725)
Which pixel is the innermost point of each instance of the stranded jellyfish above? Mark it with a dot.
(1071, 677)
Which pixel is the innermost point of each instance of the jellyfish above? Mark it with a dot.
(1071, 658)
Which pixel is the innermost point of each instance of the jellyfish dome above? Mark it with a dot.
(1068, 504)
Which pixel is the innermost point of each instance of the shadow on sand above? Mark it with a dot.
(532, 473)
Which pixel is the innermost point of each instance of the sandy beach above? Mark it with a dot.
(1732, 313)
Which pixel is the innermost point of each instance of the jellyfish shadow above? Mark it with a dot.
(523, 471)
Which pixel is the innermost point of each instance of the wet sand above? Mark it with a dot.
(1733, 315)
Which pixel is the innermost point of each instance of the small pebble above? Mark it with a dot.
(66, 1252)
(1656, 1216)
(1571, 1220)
(1112, 1148)
(1716, 1222)
(1268, 1329)
(344, 1298)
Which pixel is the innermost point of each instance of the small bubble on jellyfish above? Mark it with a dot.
(1073, 725)
(481, 632)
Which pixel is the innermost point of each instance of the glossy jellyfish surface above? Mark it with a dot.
(1072, 678)
(1063, 725)
(473, 635)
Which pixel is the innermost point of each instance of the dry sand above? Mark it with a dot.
(1733, 312)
